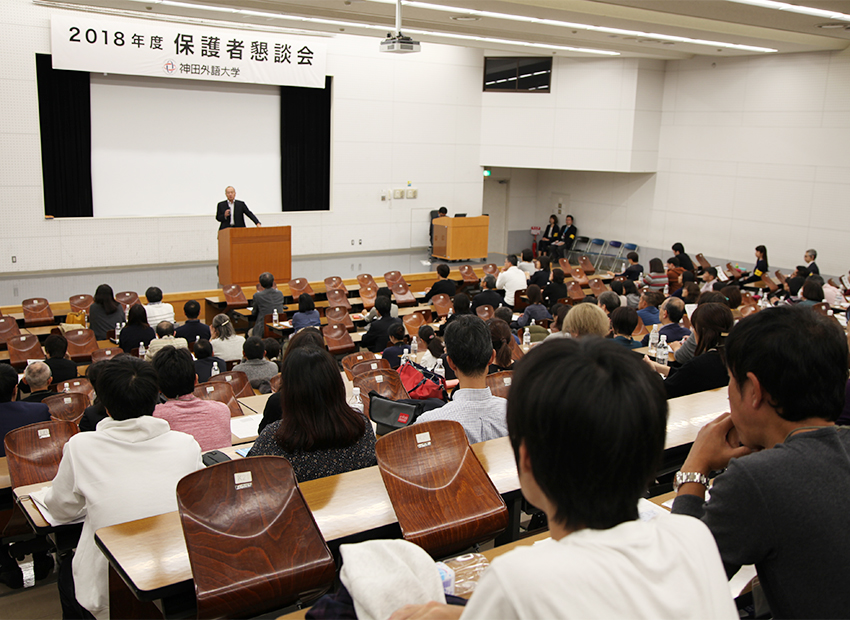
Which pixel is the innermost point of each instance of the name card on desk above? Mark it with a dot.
(43, 433)
(242, 480)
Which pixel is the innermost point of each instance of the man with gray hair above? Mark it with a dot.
(164, 337)
(37, 376)
(265, 302)
(671, 313)
(811, 265)
(608, 301)
(489, 296)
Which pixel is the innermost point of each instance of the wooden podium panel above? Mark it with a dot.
(461, 238)
(245, 253)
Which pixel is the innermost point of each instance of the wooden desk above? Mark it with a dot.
(5, 481)
(688, 414)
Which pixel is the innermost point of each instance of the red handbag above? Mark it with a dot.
(421, 383)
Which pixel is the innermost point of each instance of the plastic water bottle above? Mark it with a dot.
(117, 330)
(67, 389)
(662, 352)
(142, 349)
(405, 357)
(414, 347)
(526, 338)
(764, 302)
(275, 318)
(355, 402)
(214, 370)
(666, 289)
(653, 339)
(197, 337)
(533, 322)
(438, 369)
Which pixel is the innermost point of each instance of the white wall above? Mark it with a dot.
(395, 119)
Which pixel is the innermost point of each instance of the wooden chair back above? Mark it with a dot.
(823, 309)
(366, 279)
(468, 274)
(516, 351)
(8, 329)
(127, 299)
(442, 304)
(366, 366)
(300, 286)
(339, 316)
(335, 283)
(771, 284)
(748, 310)
(33, 452)
(579, 276)
(391, 277)
(367, 296)
(339, 298)
(337, 339)
(22, 349)
(831, 282)
(349, 361)
(234, 296)
(640, 331)
(238, 380)
(732, 271)
(574, 292)
(500, 382)
(491, 269)
(402, 294)
(67, 407)
(274, 382)
(80, 385)
(444, 500)
(80, 303)
(81, 344)
(702, 262)
(520, 300)
(220, 391)
(586, 264)
(486, 312)
(100, 355)
(619, 279)
(412, 323)
(781, 277)
(565, 265)
(385, 382)
(686, 321)
(37, 311)
(264, 551)
(747, 299)
(597, 286)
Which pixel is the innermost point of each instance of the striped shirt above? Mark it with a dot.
(482, 415)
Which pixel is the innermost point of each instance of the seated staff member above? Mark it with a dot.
(782, 501)
(760, 269)
(602, 561)
(443, 285)
(127, 469)
(559, 249)
(551, 233)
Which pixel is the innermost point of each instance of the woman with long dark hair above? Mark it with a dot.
(307, 315)
(318, 432)
(761, 266)
(105, 312)
(501, 336)
(136, 330)
(657, 276)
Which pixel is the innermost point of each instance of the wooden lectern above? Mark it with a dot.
(245, 253)
(461, 238)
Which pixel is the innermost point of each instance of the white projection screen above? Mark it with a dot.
(169, 147)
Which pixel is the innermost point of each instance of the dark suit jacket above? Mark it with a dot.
(264, 302)
(203, 367)
(377, 337)
(16, 414)
(192, 328)
(240, 210)
(487, 298)
(568, 236)
(441, 286)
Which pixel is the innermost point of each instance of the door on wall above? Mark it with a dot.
(495, 204)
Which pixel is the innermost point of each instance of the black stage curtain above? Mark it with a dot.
(64, 107)
(305, 148)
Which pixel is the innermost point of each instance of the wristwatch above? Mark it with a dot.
(689, 476)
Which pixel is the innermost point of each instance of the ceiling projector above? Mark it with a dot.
(399, 44)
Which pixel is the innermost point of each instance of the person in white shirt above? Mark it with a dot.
(157, 310)
(527, 264)
(604, 559)
(127, 469)
(511, 279)
(709, 278)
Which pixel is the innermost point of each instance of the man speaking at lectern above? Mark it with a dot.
(232, 212)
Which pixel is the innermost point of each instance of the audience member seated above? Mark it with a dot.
(192, 330)
(500, 335)
(557, 328)
(204, 360)
(832, 295)
(61, 369)
(648, 307)
(603, 560)
(127, 469)
(635, 269)
(709, 278)
(542, 275)
(623, 323)
(14, 415)
(511, 279)
(95, 412)
(525, 262)
(685, 347)
(674, 273)
(259, 370)
(810, 294)
(469, 353)
(265, 302)
(271, 346)
(307, 315)
(397, 345)
(670, 314)
(377, 336)
(684, 260)
(707, 370)
(488, 296)
(608, 301)
(435, 348)
(318, 433)
(782, 499)
(105, 312)
(535, 311)
(507, 315)
(631, 293)
(619, 290)
(156, 309)
(383, 291)
(443, 285)
(164, 337)
(657, 278)
(686, 277)
(136, 331)
(690, 292)
(307, 337)
(225, 342)
(556, 289)
(586, 320)
(460, 307)
(733, 296)
(208, 421)
(37, 376)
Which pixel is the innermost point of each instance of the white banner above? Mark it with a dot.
(82, 42)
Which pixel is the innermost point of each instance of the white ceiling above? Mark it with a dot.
(713, 20)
